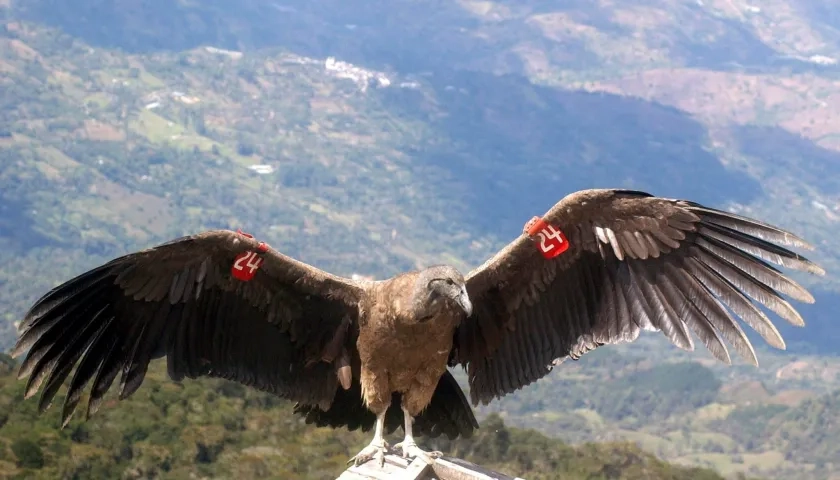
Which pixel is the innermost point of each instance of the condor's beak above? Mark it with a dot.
(464, 301)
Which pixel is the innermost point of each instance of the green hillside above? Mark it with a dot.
(777, 421)
(218, 429)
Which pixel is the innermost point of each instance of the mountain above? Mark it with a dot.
(372, 137)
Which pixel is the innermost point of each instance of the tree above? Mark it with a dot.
(28, 453)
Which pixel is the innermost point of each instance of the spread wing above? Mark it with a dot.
(286, 330)
(633, 262)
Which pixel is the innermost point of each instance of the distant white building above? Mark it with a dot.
(221, 51)
(262, 169)
(299, 60)
(364, 78)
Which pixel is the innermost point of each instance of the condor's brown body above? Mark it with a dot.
(343, 349)
(399, 351)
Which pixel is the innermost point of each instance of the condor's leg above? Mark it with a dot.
(377, 397)
(377, 447)
(413, 402)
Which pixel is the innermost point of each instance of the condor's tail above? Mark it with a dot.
(448, 413)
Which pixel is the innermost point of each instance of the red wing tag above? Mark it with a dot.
(247, 263)
(550, 241)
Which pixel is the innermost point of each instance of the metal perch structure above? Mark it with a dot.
(444, 468)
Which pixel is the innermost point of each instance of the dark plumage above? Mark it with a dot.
(351, 353)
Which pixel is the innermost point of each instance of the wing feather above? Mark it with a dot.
(748, 226)
(694, 317)
(635, 262)
(755, 268)
(750, 285)
(760, 248)
(86, 369)
(108, 370)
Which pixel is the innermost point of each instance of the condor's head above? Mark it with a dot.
(438, 289)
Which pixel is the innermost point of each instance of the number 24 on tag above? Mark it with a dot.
(246, 265)
(550, 241)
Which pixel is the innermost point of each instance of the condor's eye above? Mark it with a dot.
(449, 281)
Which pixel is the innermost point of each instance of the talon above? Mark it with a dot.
(410, 449)
(374, 451)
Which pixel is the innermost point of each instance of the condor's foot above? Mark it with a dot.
(374, 451)
(411, 450)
